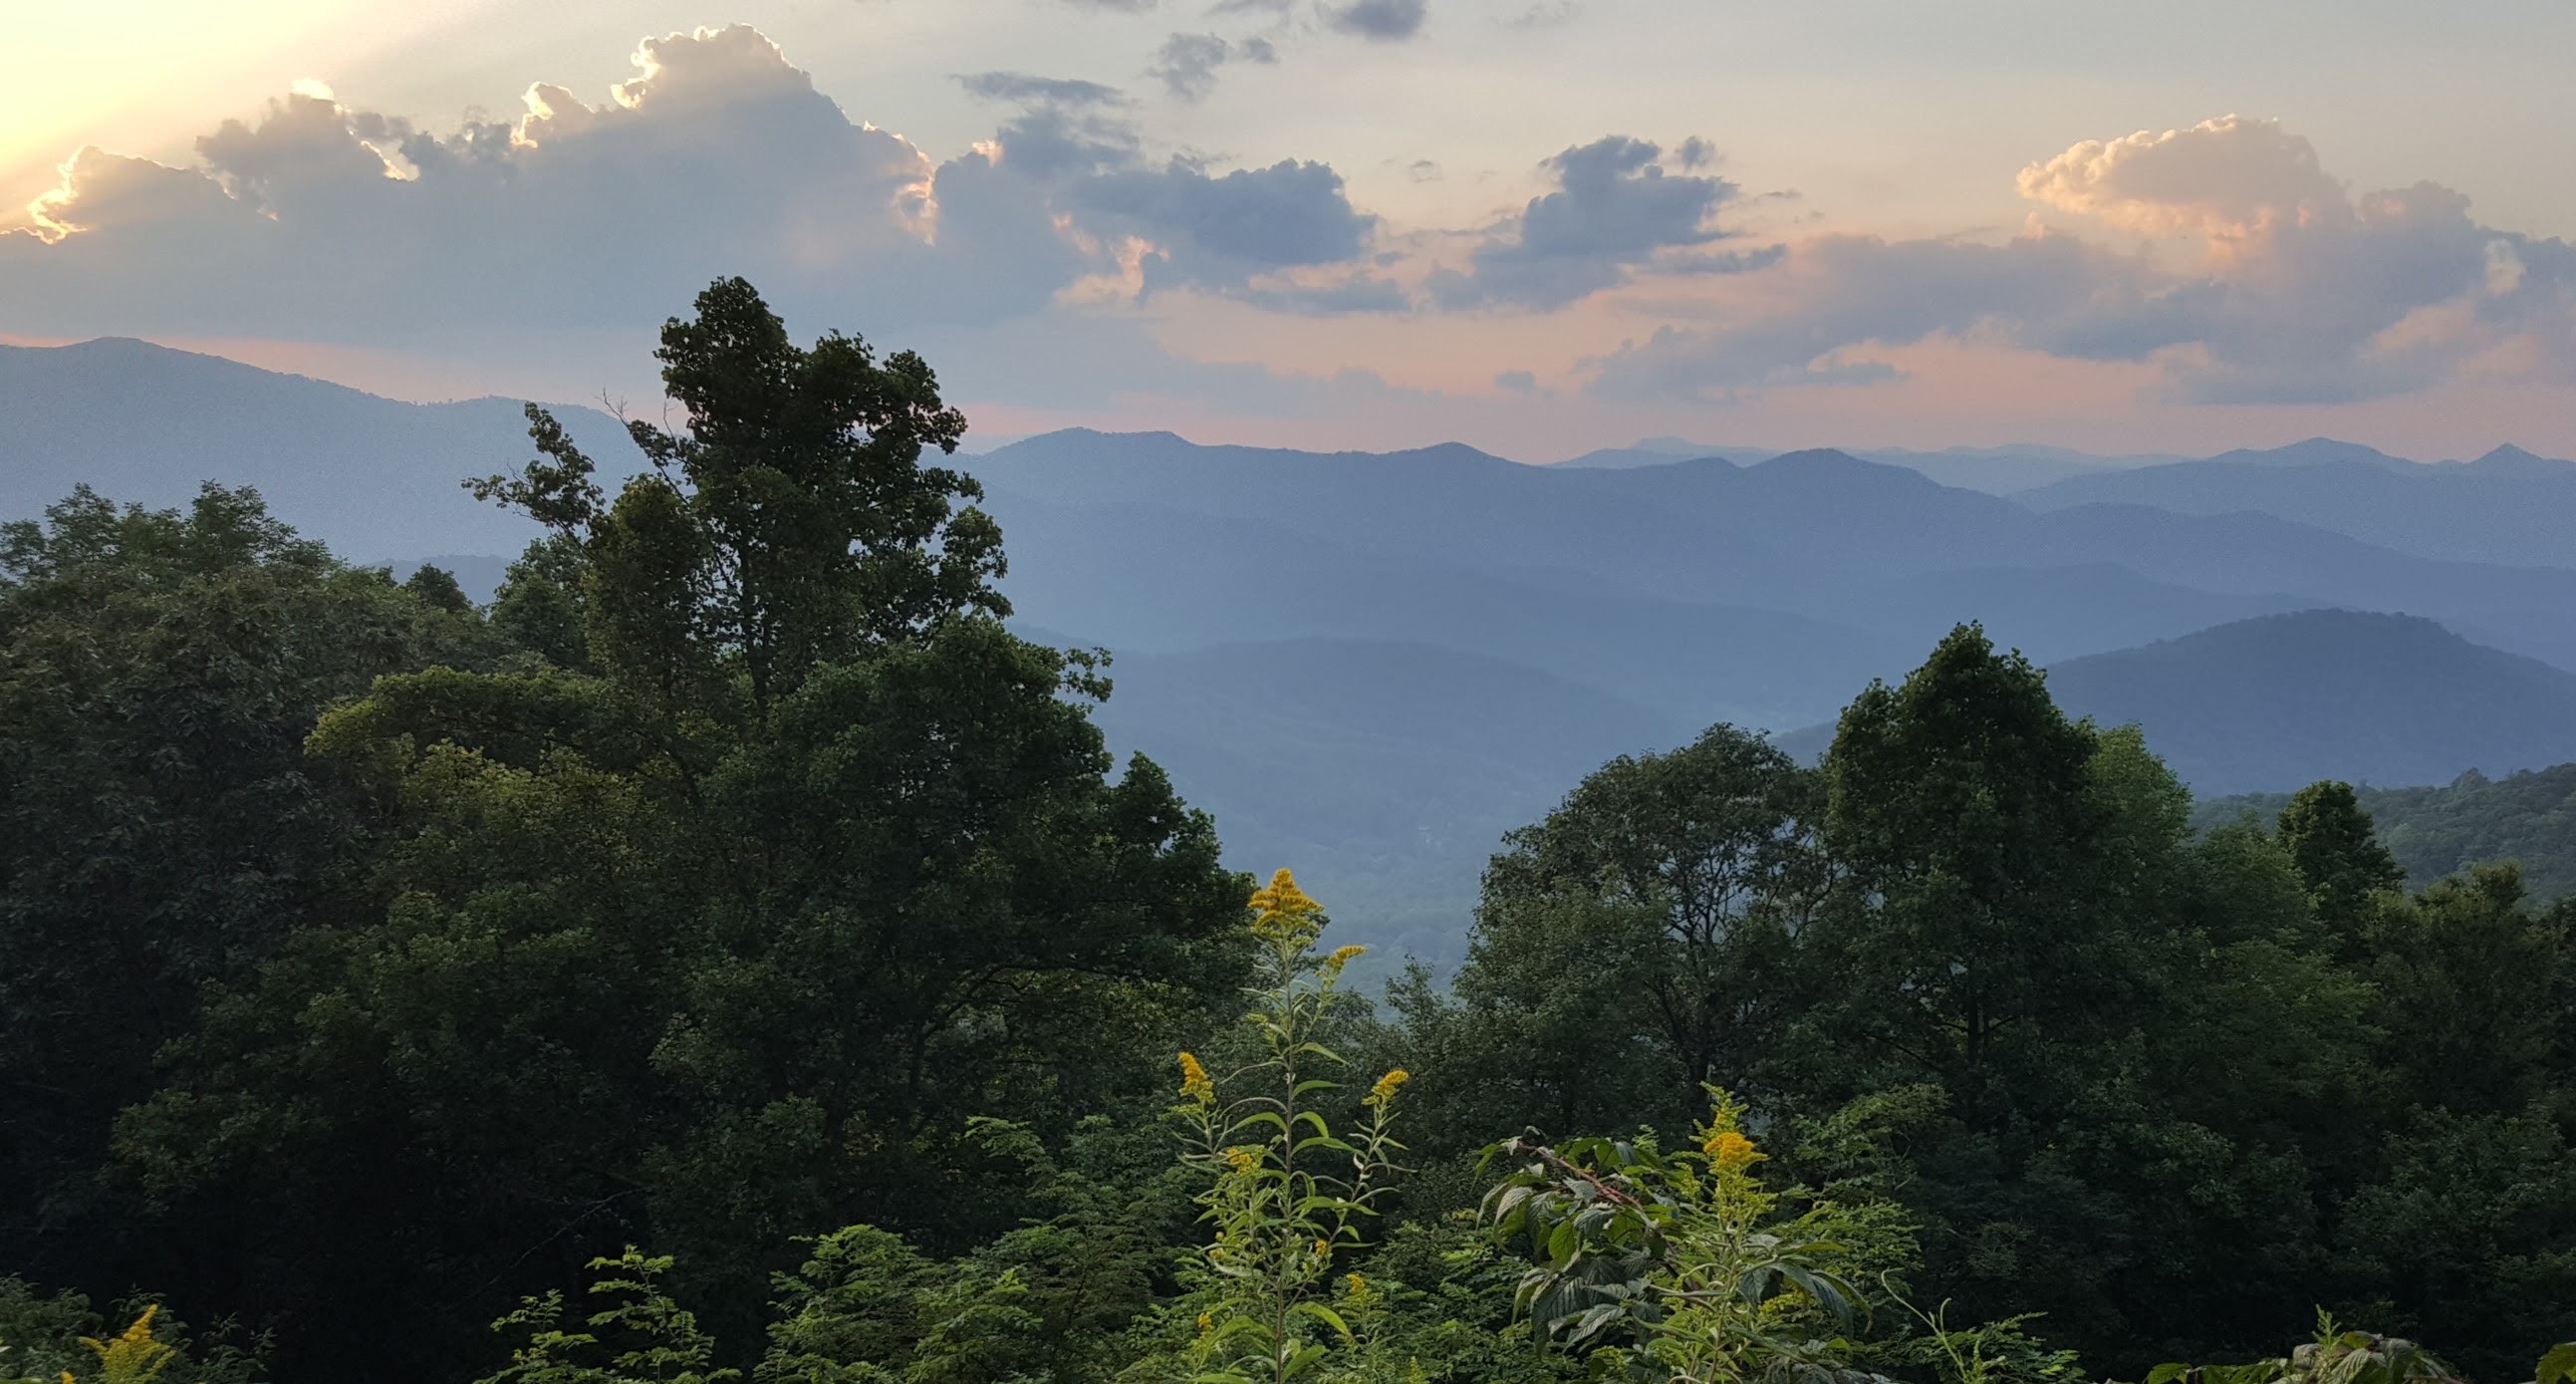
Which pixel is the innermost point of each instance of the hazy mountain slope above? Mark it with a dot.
(2050, 613)
(1384, 773)
(2277, 702)
(374, 477)
(2506, 507)
(2527, 817)
(1148, 579)
(2282, 701)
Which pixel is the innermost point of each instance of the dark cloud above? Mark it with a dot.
(1022, 89)
(1219, 229)
(321, 222)
(1379, 19)
(1615, 210)
(1516, 382)
(1187, 64)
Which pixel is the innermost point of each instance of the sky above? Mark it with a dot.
(1537, 226)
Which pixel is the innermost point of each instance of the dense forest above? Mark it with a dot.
(2527, 817)
(732, 954)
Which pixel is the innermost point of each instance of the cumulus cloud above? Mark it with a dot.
(1616, 208)
(1187, 64)
(1379, 19)
(320, 221)
(2229, 179)
(2302, 292)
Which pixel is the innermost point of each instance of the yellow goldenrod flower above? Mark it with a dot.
(1241, 1159)
(1385, 1088)
(1206, 1323)
(1342, 957)
(1281, 910)
(1194, 1081)
(1731, 1151)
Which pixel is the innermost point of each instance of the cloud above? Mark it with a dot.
(1616, 209)
(2302, 292)
(1020, 88)
(1545, 14)
(317, 221)
(1516, 382)
(2229, 179)
(1215, 230)
(1379, 19)
(1186, 64)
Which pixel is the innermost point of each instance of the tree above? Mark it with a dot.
(721, 935)
(2332, 842)
(790, 525)
(1964, 806)
(1677, 881)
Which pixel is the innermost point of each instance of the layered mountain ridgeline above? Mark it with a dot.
(2527, 817)
(1876, 548)
(1680, 591)
(2507, 506)
(1994, 470)
(375, 477)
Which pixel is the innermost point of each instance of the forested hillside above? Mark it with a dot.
(734, 953)
(2528, 818)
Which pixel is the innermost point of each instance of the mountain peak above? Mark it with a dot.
(1836, 463)
(2510, 460)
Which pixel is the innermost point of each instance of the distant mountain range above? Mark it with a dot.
(1994, 470)
(378, 478)
(1372, 664)
(2507, 506)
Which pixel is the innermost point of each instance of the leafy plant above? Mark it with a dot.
(644, 1338)
(1679, 1265)
(2336, 1356)
(1280, 1218)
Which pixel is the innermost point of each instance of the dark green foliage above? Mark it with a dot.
(2528, 818)
(2337, 851)
(719, 933)
(45, 1337)
(161, 825)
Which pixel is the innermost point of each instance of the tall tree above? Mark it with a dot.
(1714, 846)
(2336, 848)
(1964, 806)
(722, 937)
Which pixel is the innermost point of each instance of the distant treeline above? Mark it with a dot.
(730, 953)
(2528, 818)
